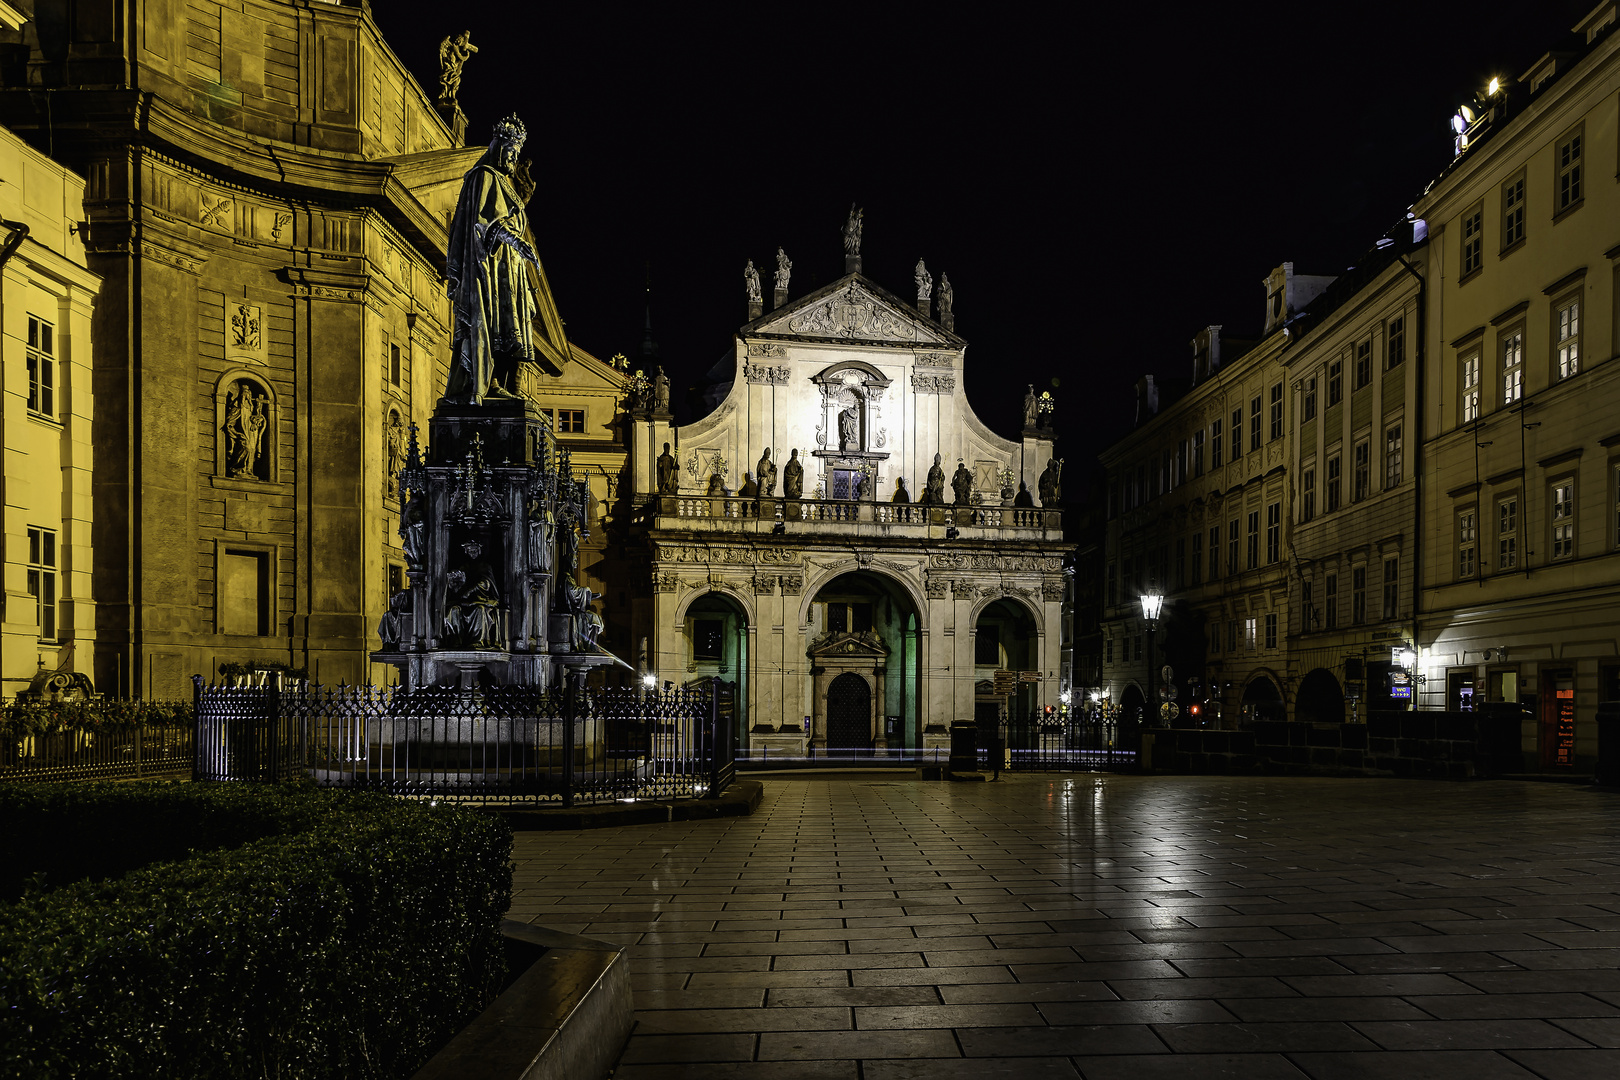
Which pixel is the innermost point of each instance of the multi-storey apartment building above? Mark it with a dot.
(1521, 414)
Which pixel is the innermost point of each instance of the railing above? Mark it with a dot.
(507, 745)
(112, 753)
(754, 759)
(1072, 744)
(771, 510)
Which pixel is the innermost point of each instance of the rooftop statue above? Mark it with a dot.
(852, 231)
(751, 281)
(925, 281)
(454, 51)
(489, 285)
(784, 269)
(947, 296)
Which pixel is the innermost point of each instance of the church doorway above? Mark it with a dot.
(1005, 639)
(849, 713)
(717, 647)
(863, 627)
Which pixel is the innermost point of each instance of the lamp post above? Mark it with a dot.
(1152, 604)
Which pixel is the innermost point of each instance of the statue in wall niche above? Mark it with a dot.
(1031, 408)
(766, 471)
(392, 624)
(793, 477)
(247, 417)
(454, 52)
(542, 529)
(962, 484)
(947, 297)
(852, 231)
(934, 491)
(493, 300)
(661, 391)
(1049, 485)
(413, 529)
(395, 450)
(924, 280)
(669, 471)
(901, 495)
(849, 429)
(784, 270)
(472, 602)
(751, 282)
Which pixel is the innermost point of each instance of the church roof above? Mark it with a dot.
(852, 310)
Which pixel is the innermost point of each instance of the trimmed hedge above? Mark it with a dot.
(351, 949)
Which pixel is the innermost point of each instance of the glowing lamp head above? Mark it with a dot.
(1152, 604)
(1495, 87)
(650, 681)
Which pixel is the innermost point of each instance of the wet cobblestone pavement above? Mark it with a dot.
(1110, 926)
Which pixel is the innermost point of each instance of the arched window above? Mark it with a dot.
(247, 430)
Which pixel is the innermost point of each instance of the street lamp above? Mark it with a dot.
(1152, 604)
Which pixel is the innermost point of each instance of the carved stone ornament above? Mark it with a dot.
(766, 348)
(854, 313)
(281, 220)
(937, 586)
(248, 430)
(780, 556)
(933, 384)
(670, 554)
(1052, 591)
(246, 327)
(776, 375)
(215, 210)
(792, 584)
(934, 360)
(1051, 564)
(734, 556)
(764, 584)
(666, 583)
(964, 590)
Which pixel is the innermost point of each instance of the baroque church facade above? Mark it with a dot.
(842, 538)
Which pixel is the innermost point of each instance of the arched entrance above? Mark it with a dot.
(864, 625)
(717, 647)
(1262, 701)
(1320, 699)
(1005, 639)
(849, 712)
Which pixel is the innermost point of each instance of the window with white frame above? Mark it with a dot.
(1567, 337)
(1507, 533)
(1335, 383)
(1392, 591)
(1307, 496)
(1237, 433)
(1395, 342)
(1273, 532)
(1467, 543)
(1254, 423)
(1392, 457)
(1254, 539)
(1567, 187)
(1233, 548)
(1271, 629)
(1563, 519)
(1215, 444)
(42, 580)
(1512, 367)
(1473, 241)
(1469, 381)
(1308, 408)
(1331, 498)
(1513, 211)
(1363, 364)
(1251, 627)
(1198, 452)
(1277, 411)
(1363, 468)
(41, 367)
(1358, 595)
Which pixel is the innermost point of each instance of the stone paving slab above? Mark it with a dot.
(1109, 926)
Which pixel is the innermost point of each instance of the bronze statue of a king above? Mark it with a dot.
(490, 291)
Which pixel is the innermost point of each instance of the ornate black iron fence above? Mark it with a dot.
(112, 753)
(1036, 743)
(506, 744)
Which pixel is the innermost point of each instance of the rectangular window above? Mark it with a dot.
(1507, 534)
(1513, 211)
(1309, 407)
(1469, 382)
(1473, 241)
(1307, 498)
(1567, 190)
(708, 635)
(1250, 628)
(1467, 541)
(1331, 601)
(1363, 364)
(1395, 343)
(1231, 635)
(1335, 383)
(244, 593)
(845, 483)
(570, 421)
(1271, 630)
(42, 580)
(1307, 615)
(1363, 468)
(1214, 553)
(1232, 549)
(1237, 433)
(1113, 585)
(1567, 338)
(393, 364)
(1277, 411)
(41, 367)
(1215, 444)
(1108, 651)
(1198, 453)
(1254, 423)
(1392, 457)
(1563, 519)
(1254, 539)
(1215, 637)
(987, 645)
(1333, 485)
(1181, 562)
(1139, 646)
(1513, 367)
(1392, 584)
(1197, 557)
(1273, 532)
(1358, 595)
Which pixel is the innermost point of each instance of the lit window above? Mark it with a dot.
(1250, 626)
(42, 580)
(1392, 457)
(1273, 532)
(1467, 557)
(41, 367)
(1513, 367)
(1473, 241)
(1335, 383)
(1513, 211)
(1507, 534)
(1563, 519)
(1332, 496)
(1392, 582)
(1567, 347)
(1470, 388)
(1307, 509)
(1363, 469)
(1358, 595)
(1395, 343)
(1277, 411)
(1567, 192)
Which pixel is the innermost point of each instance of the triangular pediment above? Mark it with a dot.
(849, 645)
(852, 309)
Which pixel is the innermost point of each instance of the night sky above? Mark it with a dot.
(1099, 183)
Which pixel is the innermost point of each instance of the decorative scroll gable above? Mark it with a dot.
(852, 310)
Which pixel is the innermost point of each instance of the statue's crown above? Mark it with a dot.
(510, 129)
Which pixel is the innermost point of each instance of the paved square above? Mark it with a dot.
(1110, 926)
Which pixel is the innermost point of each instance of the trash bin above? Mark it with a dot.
(1608, 755)
(964, 747)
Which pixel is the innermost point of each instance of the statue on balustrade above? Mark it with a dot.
(1049, 484)
(749, 489)
(962, 484)
(793, 477)
(934, 490)
(1023, 498)
(766, 471)
(661, 391)
(472, 604)
(901, 495)
(669, 472)
(491, 295)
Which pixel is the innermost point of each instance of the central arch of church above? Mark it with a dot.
(862, 644)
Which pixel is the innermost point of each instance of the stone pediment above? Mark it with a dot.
(849, 645)
(852, 309)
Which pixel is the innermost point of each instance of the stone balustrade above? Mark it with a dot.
(698, 512)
